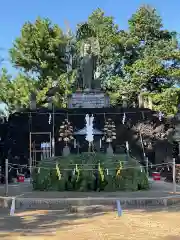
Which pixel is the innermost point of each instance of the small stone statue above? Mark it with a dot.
(178, 113)
(179, 107)
(32, 100)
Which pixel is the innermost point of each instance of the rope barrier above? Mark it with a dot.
(87, 164)
(92, 169)
(83, 114)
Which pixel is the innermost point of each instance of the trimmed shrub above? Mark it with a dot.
(90, 172)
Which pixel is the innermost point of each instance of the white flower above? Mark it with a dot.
(108, 140)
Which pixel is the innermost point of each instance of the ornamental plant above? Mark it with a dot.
(66, 132)
(109, 131)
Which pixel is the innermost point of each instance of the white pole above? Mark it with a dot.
(53, 137)
(6, 177)
(13, 205)
(50, 150)
(174, 175)
(147, 164)
(127, 149)
(142, 145)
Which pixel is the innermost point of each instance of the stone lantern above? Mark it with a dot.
(176, 136)
(50, 103)
(32, 101)
(124, 100)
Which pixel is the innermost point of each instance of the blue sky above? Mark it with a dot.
(15, 13)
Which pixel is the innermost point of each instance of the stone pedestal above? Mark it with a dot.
(141, 101)
(110, 150)
(66, 151)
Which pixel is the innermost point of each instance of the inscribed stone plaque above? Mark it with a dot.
(88, 100)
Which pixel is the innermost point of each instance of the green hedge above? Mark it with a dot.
(131, 178)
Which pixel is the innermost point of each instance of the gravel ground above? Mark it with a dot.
(55, 225)
(146, 224)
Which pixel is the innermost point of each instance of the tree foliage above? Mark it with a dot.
(146, 57)
(15, 93)
(149, 58)
(40, 49)
(39, 52)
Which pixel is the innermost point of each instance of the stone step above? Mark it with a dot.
(88, 205)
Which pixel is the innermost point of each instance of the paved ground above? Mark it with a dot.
(158, 189)
(55, 225)
(150, 224)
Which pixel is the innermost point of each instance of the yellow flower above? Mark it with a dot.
(101, 172)
(119, 169)
(58, 171)
(78, 172)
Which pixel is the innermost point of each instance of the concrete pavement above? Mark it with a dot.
(24, 190)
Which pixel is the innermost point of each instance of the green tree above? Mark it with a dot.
(40, 50)
(145, 57)
(158, 60)
(166, 101)
(15, 92)
(145, 24)
(150, 58)
(106, 31)
(103, 29)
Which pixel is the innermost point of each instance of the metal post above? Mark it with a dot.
(6, 177)
(53, 140)
(147, 167)
(30, 156)
(174, 175)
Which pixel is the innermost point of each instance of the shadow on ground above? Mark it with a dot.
(171, 238)
(45, 223)
(39, 223)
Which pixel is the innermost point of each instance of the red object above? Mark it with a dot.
(20, 178)
(156, 176)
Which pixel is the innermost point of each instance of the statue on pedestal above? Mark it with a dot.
(89, 71)
(88, 92)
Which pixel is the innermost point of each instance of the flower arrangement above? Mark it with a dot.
(66, 132)
(109, 131)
